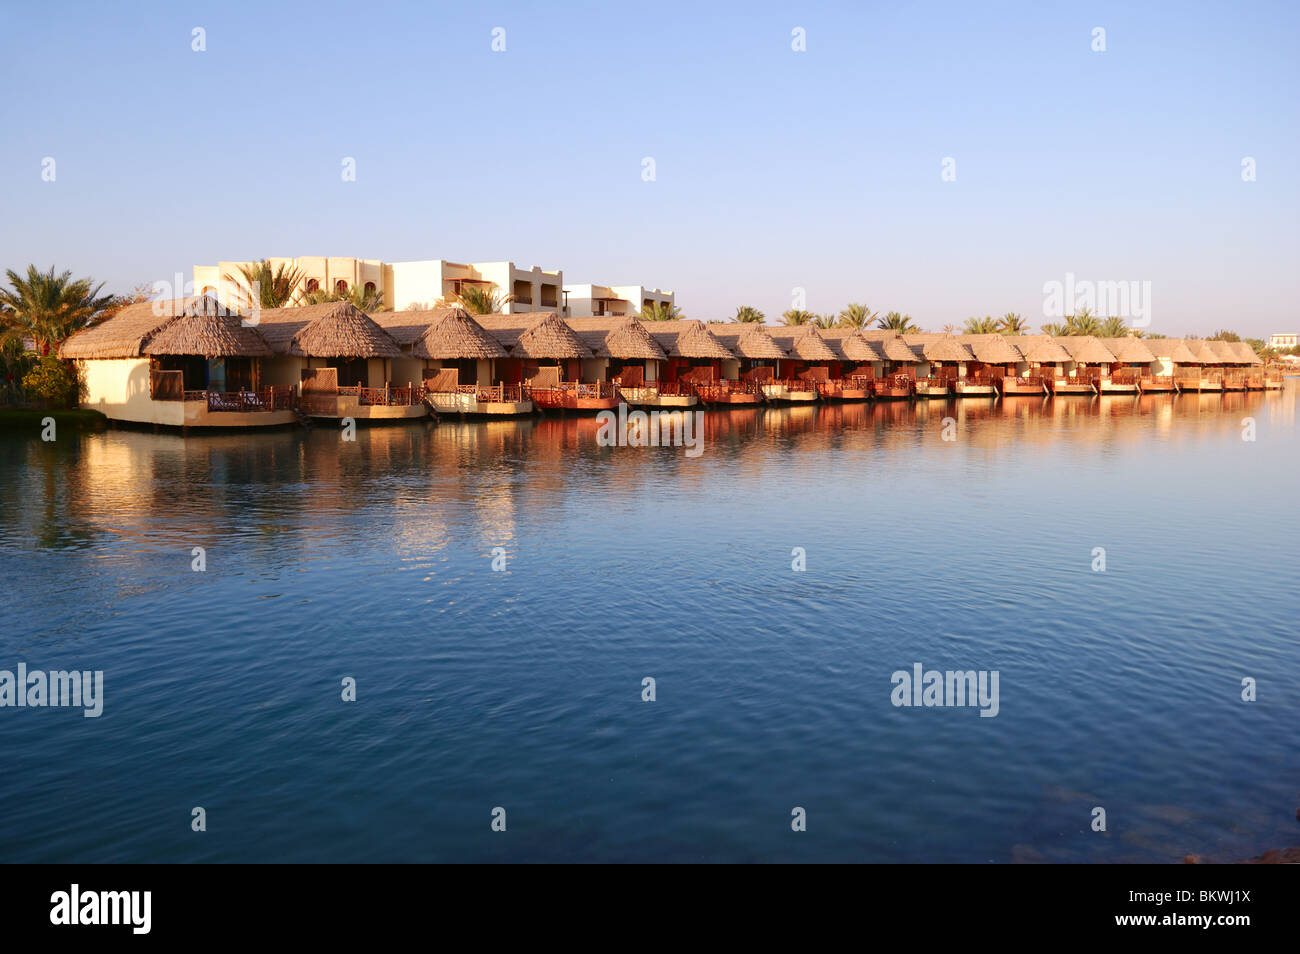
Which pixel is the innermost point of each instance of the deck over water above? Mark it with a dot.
(522, 688)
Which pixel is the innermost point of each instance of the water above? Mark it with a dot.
(522, 689)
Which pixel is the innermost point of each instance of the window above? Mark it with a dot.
(312, 285)
(340, 287)
(370, 288)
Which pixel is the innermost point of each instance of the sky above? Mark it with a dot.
(775, 169)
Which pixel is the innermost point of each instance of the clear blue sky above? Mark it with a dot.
(775, 169)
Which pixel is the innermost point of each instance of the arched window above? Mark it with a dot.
(370, 288)
(340, 287)
(313, 285)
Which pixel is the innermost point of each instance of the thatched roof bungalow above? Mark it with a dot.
(125, 334)
(185, 363)
(626, 353)
(548, 359)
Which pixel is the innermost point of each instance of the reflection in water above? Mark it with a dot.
(373, 558)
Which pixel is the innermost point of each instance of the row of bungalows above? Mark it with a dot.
(193, 363)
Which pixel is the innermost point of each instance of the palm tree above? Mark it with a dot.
(271, 287)
(660, 311)
(987, 325)
(796, 316)
(46, 307)
(1114, 327)
(360, 298)
(482, 299)
(1084, 323)
(748, 314)
(1224, 334)
(824, 321)
(1012, 324)
(856, 316)
(1057, 329)
(902, 324)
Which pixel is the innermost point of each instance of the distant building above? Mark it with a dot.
(402, 284)
(1283, 341)
(591, 301)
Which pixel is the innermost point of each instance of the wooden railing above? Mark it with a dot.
(716, 390)
(264, 399)
(1126, 375)
(406, 396)
(493, 393)
(582, 389)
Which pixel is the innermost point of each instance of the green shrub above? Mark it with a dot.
(51, 382)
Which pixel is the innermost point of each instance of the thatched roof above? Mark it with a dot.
(1204, 354)
(1246, 354)
(406, 327)
(850, 345)
(1042, 348)
(991, 349)
(1175, 349)
(617, 336)
(687, 338)
(1224, 351)
(1085, 349)
(454, 335)
(1130, 350)
(540, 336)
(891, 345)
(208, 330)
(336, 329)
(747, 339)
(126, 333)
(945, 348)
(804, 342)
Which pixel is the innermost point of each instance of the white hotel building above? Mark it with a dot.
(406, 285)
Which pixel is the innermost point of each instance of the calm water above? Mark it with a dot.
(522, 688)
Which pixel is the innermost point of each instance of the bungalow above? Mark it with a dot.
(752, 367)
(1256, 378)
(455, 361)
(1173, 363)
(1092, 364)
(627, 355)
(186, 363)
(546, 358)
(994, 361)
(858, 363)
(341, 359)
(1133, 365)
(897, 377)
(799, 377)
(695, 356)
(1044, 356)
(941, 360)
(1207, 373)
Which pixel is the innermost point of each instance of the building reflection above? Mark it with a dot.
(425, 486)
